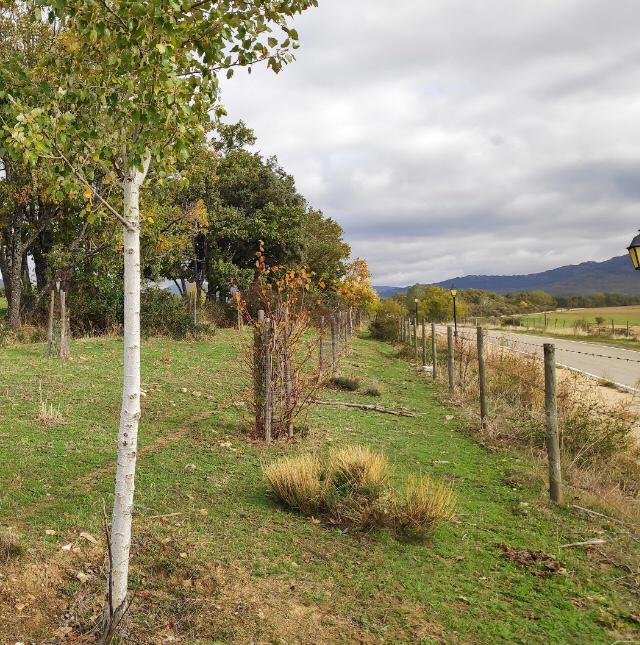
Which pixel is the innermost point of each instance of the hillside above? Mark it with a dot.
(611, 276)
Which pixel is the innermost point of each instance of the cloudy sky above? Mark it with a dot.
(451, 137)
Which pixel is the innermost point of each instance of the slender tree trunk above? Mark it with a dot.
(130, 411)
(15, 289)
(52, 309)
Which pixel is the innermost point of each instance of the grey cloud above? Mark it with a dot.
(498, 136)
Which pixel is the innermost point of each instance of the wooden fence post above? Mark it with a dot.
(63, 350)
(267, 334)
(450, 358)
(482, 378)
(288, 385)
(434, 351)
(239, 308)
(334, 344)
(424, 344)
(415, 339)
(52, 307)
(553, 446)
(321, 346)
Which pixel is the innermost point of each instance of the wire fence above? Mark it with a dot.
(548, 323)
(518, 396)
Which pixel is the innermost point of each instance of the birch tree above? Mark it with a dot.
(137, 82)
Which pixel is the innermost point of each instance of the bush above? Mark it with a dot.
(10, 547)
(164, 314)
(222, 314)
(350, 488)
(298, 482)
(511, 321)
(591, 432)
(349, 383)
(372, 389)
(357, 469)
(384, 326)
(421, 505)
(24, 334)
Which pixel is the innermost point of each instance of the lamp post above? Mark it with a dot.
(454, 292)
(634, 252)
(415, 301)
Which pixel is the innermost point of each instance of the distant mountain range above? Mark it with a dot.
(616, 275)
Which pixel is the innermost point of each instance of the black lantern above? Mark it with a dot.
(634, 252)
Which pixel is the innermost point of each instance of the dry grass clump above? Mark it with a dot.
(298, 482)
(372, 389)
(348, 383)
(49, 415)
(10, 547)
(422, 504)
(357, 469)
(350, 488)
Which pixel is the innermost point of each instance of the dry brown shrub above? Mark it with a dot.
(49, 415)
(297, 482)
(350, 489)
(421, 505)
(10, 547)
(357, 469)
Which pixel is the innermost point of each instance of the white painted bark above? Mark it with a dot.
(130, 411)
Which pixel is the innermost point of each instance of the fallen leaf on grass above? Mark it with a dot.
(82, 576)
(50, 532)
(542, 563)
(88, 537)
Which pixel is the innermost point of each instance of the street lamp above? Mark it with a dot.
(634, 252)
(454, 292)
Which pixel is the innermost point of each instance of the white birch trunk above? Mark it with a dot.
(130, 411)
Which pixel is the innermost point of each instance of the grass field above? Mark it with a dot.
(619, 315)
(3, 307)
(215, 561)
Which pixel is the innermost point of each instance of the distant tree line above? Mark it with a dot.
(436, 303)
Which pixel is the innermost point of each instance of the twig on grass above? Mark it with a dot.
(591, 542)
(606, 517)
(368, 407)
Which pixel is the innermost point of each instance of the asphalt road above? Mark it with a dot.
(616, 364)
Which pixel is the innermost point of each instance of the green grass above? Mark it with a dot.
(3, 307)
(619, 315)
(628, 343)
(230, 565)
